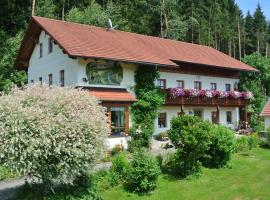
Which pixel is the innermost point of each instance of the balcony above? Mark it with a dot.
(206, 98)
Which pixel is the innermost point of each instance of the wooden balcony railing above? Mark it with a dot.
(204, 101)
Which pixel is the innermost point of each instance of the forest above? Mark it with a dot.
(217, 23)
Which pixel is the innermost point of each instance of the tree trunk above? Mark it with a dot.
(234, 49)
(266, 50)
(63, 11)
(230, 48)
(239, 41)
(33, 7)
(258, 42)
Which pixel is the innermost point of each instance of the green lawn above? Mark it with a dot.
(249, 178)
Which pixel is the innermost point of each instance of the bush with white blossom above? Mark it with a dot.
(51, 133)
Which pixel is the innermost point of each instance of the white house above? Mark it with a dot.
(266, 115)
(104, 62)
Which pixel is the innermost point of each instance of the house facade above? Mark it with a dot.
(266, 115)
(198, 80)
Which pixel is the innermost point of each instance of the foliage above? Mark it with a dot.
(51, 133)
(247, 172)
(268, 136)
(117, 149)
(241, 144)
(145, 109)
(191, 137)
(120, 165)
(253, 140)
(162, 136)
(8, 75)
(6, 173)
(83, 188)
(143, 174)
(258, 84)
(221, 148)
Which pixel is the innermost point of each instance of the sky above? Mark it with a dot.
(251, 5)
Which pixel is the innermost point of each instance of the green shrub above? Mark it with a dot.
(143, 173)
(253, 140)
(117, 149)
(241, 144)
(268, 137)
(221, 148)
(120, 165)
(6, 173)
(51, 132)
(162, 136)
(191, 138)
(83, 188)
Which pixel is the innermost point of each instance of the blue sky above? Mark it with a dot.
(251, 5)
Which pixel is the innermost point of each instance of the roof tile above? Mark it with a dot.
(266, 110)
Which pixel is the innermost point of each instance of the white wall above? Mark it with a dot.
(172, 111)
(51, 63)
(171, 80)
(267, 122)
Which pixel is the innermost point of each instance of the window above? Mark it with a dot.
(198, 113)
(50, 45)
(40, 80)
(214, 117)
(197, 85)
(40, 50)
(50, 80)
(104, 73)
(161, 83)
(162, 120)
(228, 87)
(118, 120)
(32, 81)
(236, 86)
(213, 86)
(62, 78)
(229, 117)
(181, 84)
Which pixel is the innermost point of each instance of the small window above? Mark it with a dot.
(228, 87)
(50, 79)
(229, 117)
(40, 50)
(198, 113)
(214, 117)
(32, 81)
(236, 86)
(197, 85)
(50, 45)
(162, 120)
(181, 84)
(40, 80)
(161, 83)
(62, 78)
(213, 86)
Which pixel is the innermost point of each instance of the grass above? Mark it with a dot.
(249, 178)
(6, 173)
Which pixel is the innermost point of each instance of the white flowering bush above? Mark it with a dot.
(51, 133)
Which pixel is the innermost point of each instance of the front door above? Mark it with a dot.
(118, 120)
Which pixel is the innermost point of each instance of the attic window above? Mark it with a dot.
(50, 45)
(40, 50)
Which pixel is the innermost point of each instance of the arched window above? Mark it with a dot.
(107, 73)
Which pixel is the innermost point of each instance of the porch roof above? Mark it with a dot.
(112, 94)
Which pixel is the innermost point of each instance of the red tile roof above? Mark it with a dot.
(119, 95)
(266, 110)
(94, 42)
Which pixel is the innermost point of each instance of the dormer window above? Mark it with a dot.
(50, 45)
(40, 50)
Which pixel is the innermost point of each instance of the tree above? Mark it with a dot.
(8, 75)
(51, 133)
